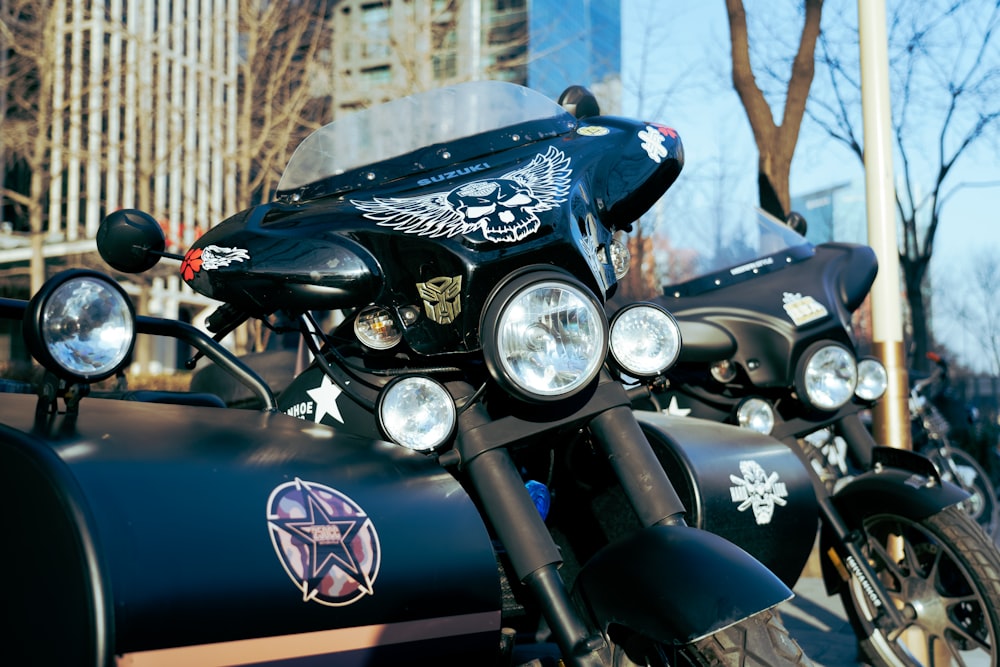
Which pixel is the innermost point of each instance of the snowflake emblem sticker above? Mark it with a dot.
(757, 490)
(652, 139)
(503, 209)
(326, 543)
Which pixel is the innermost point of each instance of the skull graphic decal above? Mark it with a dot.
(503, 209)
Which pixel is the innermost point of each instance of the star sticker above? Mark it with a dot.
(328, 539)
(326, 395)
(677, 410)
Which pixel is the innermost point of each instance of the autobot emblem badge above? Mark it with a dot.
(802, 309)
(325, 541)
(503, 209)
(441, 298)
(757, 490)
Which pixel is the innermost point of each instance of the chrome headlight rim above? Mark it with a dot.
(657, 317)
(492, 334)
(873, 380)
(399, 427)
(819, 390)
(41, 325)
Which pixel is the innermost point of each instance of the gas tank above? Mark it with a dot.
(167, 534)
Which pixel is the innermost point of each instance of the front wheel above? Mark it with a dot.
(943, 574)
(758, 641)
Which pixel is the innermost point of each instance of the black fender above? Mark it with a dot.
(900, 482)
(676, 584)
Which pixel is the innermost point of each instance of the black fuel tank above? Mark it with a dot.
(169, 534)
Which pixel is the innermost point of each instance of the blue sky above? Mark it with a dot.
(689, 58)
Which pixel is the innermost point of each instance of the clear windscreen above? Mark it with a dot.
(407, 124)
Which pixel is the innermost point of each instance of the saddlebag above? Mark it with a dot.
(749, 488)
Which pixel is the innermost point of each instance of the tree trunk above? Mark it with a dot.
(775, 143)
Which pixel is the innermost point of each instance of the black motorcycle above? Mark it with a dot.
(457, 478)
(769, 345)
(931, 429)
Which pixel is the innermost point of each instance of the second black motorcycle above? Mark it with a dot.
(769, 345)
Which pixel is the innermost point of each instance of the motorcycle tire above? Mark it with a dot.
(961, 468)
(758, 641)
(945, 580)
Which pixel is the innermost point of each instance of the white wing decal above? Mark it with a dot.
(502, 208)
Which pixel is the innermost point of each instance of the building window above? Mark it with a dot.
(377, 75)
(375, 30)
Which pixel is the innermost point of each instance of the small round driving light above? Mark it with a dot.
(645, 340)
(756, 414)
(376, 329)
(827, 376)
(873, 380)
(81, 326)
(417, 412)
(621, 258)
(723, 371)
(544, 336)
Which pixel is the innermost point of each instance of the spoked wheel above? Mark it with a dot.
(758, 641)
(961, 468)
(943, 575)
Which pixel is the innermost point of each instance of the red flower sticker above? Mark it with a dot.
(667, 131)
(191, 264)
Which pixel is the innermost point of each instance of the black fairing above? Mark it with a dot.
(752, 312)
(556, 202)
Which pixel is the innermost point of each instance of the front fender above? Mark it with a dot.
(900, 483)
(676, 584)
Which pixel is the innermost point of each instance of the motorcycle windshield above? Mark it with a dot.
(435, 120)
(719, 249)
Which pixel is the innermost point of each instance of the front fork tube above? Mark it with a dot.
(858, 438)
(858, 442)
(649, 490)
(532, 552)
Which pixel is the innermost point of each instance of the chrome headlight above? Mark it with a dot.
(873, 380)
(81, 326)
(827, 376)
(645, 340)
(417, 412)
(755, 414)
(544, 336)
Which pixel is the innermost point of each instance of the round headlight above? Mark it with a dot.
(755, 414)
(417, 412)
(544, 336)
(827, 376)
(81, 326)
(873, 380)
(645, 340)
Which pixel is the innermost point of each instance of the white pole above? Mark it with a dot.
(891, 416)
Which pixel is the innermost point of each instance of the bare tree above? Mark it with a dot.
(26, 87)
(970, 305)
(945, 90)
(775, 142)
(282, 94)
